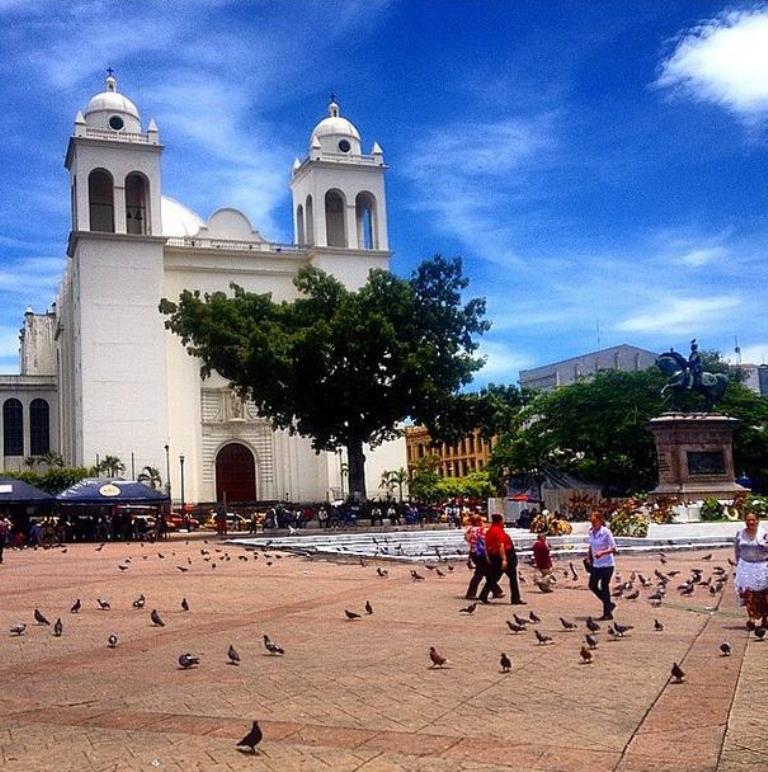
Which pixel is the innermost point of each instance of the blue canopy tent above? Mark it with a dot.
(110, 493)
(98, 509)
(13, 491)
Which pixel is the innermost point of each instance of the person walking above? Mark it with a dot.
(543, 560)
(601, 562)
(477, 558)
(751, 548)
(502, 559)
(5, 532)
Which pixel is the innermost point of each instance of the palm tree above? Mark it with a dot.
(399, 477)
(150, 476)
(392, 478)
(52, 458)
(111, 465)
(31, 461)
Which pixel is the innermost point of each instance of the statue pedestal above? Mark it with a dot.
(695, 456)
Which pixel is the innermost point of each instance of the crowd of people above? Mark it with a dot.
(492, 555)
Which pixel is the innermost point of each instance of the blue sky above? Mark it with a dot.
(595, 163)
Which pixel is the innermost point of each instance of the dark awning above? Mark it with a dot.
(14, 491)
(97, 491)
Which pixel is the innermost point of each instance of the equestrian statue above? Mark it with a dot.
(687, 375)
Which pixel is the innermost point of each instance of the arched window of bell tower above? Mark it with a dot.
(335, 226)
(101, 201)
(136, 204)
(310, 222)
(365, 215)
(300, 239)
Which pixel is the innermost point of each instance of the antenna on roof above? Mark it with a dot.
(597, 330)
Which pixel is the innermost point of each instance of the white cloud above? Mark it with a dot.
(502, 364)
(472, 176)
(723, 61)
(703, 256)
(681, 315)
(34, 279)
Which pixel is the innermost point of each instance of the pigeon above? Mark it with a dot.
(188, 660)
(100, 547)
(155, 617)
(140, 601)
(234, 657)
(687, 590)
(40, 619)
(351, 615)
(515, 628)
(416, 576)
(591, 641)
(658, 626)
(574, 575)
(470, 609)
(183, 569)
(18, 629)
(633, 596)
(429, 567)
(677, 673)
(112, 641)
(58, 628)
(252, 739)
(592, 626)
(567, 624)
(662, 559)
(759, 633)
(123, 568)
(520, 620)
(439, 572)
(75, 607)
(621, 630)
(505, 663)
(725, 648)
(437, 659)
(184, 604)
(541, 638)
(272, 647)
(586, 655)
(160, 555)
(368, 607)
(731, 562)
(707, 557)
(103, 604)
(450, 568)
(534, 618)
(381, 572)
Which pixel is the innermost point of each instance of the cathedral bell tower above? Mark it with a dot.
(339, 203)
(114, 395)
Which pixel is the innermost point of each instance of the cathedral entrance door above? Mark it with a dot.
(235, 474)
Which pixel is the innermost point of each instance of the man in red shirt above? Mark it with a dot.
(502, 559)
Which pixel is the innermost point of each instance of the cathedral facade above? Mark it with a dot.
(99, 373)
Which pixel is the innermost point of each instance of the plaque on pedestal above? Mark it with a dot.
(695, 456)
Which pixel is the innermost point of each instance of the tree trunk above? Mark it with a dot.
(356, 461)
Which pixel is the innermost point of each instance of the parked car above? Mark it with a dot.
(177, 520)
(235, 522)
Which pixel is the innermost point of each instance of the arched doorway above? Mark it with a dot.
(235, 474)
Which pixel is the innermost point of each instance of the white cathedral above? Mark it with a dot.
(100, 375)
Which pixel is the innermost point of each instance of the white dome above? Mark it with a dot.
(111, 110)
(336, 127)
(334, 134)
(178, 221)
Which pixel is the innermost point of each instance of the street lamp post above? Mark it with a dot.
(181, 467)
(167, 449)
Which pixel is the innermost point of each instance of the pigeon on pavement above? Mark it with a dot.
(155, 617)
(505, 663)
(18, 629)
(437, 659)
(188, 660)
(58, 628)
(40, 619)
(112, 641)
(234, 657)
(351, 615)
(677, 673)
(75, 607)
(252, 739)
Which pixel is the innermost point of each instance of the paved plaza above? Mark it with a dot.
(352, 695)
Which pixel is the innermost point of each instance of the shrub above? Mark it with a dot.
(712, 509)
(628, 519)
(663, 511)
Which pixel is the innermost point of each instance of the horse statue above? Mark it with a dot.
(683, 375)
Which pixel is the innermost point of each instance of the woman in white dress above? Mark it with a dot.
(752, 569)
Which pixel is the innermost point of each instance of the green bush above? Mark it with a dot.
(712, 509)
(53, 480)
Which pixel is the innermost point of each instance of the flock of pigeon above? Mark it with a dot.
(629, 590)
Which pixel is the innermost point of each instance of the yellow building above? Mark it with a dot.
(470, 454)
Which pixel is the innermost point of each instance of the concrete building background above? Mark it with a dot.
(624, 357)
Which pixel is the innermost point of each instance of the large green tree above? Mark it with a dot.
(342, 367)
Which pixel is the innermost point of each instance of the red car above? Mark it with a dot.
(177, 521)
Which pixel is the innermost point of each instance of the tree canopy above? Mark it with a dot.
(342, 367)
